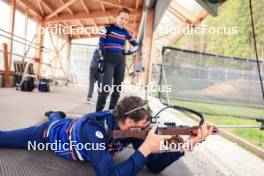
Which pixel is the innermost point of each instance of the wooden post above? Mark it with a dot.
(68, 57)
(57, 58)
(147, 43)
(11, 30)
(57, 53)
(6, 66)
(136, 59)
(38, 52)
(25, 29)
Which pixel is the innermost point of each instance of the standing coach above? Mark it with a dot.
(112, 50)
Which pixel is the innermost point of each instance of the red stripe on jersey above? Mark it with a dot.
(45, 133)
(73, 157)
(113, 47)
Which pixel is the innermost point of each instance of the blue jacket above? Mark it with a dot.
(112, 39)
(95, 128)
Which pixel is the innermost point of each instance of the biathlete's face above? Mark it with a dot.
(122, 19)
(130, 123)
(143, 122)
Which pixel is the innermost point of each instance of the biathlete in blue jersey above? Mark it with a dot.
(112, 49)
(89, 138)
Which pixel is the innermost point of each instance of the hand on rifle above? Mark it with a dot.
(152, 142)
(203, 133)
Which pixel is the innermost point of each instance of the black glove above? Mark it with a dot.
(127, 52)
(132, 51)
(101, 65)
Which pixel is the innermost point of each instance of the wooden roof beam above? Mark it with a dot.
(182, 11)
(85, 7)
(47, 6)
(61, 8)
(102, 6)
(88, 12)
(40, 8)
(34, 10)
(67, 8)
(84, 15)
(114, 4)
(137, 4)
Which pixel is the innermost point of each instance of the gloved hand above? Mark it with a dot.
(132, 51)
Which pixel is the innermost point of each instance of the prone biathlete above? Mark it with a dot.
(89, 138)
(112, 49)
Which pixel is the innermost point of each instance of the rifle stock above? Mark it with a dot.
(142, 133)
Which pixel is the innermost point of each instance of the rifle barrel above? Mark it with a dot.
(238, 127)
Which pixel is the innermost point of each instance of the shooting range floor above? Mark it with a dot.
(20, 110)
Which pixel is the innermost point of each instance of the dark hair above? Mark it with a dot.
(127, 104)
(123, 10)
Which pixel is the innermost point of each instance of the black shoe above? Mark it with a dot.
(62, 114)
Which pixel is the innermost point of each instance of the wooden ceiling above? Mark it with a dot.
(82, 13)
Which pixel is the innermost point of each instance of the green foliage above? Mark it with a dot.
(233, 13)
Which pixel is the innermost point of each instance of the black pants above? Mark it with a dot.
(94, 76)
(113, 77)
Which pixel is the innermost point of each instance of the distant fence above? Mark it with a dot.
(199, 76)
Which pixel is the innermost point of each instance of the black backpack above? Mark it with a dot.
(43, 85)
(27, 84)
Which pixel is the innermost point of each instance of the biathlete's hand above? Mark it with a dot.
(203, 133)
(153, 142)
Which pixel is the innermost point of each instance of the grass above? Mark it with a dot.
(219, 114)
(185, 83)
(222, 110)
(254, 136)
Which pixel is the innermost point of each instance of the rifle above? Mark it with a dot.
(171, 128)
